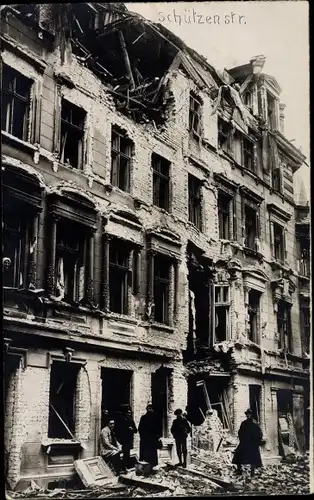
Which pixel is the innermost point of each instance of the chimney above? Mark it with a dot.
(282, 118)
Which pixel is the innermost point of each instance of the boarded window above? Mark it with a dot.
(118, 276)
(71, 262)
(15, 106)
(62, 399)
(195, 201)
(161, 181)
(121, 152)
(195, 114)
(254, 315)
(72, 134)
(161, 289)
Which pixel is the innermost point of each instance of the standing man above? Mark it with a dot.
(149, 437)
(109, 448)
(180, 430)
(248, 452)
(125, 429)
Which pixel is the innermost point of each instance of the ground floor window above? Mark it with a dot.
(62, 399)
(255, 401)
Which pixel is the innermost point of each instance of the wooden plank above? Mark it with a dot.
(144, 483)
(220, 482)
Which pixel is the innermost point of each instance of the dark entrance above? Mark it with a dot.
(160, 396)
(116, 390)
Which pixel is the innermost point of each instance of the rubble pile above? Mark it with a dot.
(291, 476)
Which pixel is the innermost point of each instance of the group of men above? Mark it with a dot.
(117, 436)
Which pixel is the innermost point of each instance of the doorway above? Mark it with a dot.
(160, 394)
(116, 390)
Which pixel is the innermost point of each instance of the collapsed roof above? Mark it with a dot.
(127, 52)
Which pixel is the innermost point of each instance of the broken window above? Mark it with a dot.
(72, 134)
(162, 267)
(225, 205)
(118, 276)
(71, 260)
(284, 325)
(195, 201)
(254, 315)
(121, 152)
(161, 181)
(15, 107)
(195, 114)
(222, 307)
(223, 135)
(16, 240)
(250, 227)
(248, 154)
(62, 399)
(255, 401)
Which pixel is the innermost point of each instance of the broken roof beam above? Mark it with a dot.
(126, 59)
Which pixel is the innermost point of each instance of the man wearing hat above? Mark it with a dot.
(180, 430)
(251, 437)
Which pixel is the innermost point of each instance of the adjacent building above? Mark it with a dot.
(152, 247)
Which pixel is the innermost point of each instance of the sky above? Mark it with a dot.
(277, 29)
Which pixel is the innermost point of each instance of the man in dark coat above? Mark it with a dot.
(149, 437)
(251, 437)
(180, 430)
(125, 429)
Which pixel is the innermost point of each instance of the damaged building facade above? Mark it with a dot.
(150, 249)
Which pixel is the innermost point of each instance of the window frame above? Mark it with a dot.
(76, 129)
(284, 325)
(247, 153)
(28, 118)
(281, 257)
(255, 336)
(158, 163)
(82, 257)
(229, 210)
(117, 155)
(223, 305)
(166, 281)
(226, 144)
(195, 202)
(115, 267)
(195, 114)
(256, 209)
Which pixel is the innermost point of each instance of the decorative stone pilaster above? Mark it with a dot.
(90, 277)
(105, 288)
(32, 274)
(52, 256)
